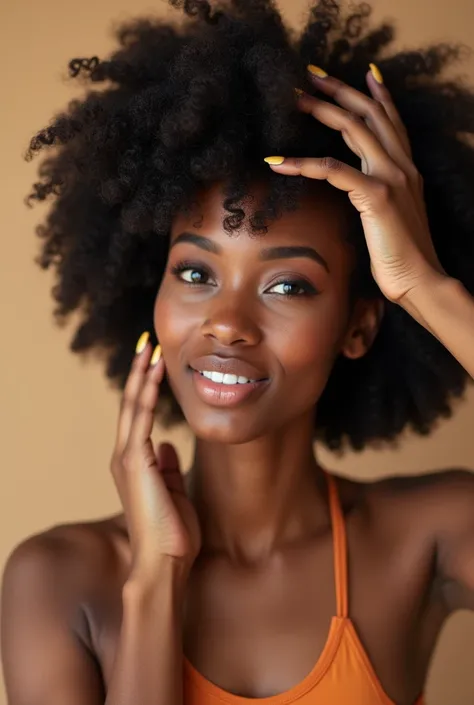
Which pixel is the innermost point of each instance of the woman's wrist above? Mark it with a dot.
(446, 310)
(163, 573)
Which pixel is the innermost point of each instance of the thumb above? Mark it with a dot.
(169, 467)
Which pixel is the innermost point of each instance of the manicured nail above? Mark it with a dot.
(274, 160)
(316, 71)
(142, 341)
(299, 92)
(376, 73)
(156, 355)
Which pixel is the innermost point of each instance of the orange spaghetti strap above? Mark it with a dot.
(340, 547)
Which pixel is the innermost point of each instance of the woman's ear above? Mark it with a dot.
(363, 328)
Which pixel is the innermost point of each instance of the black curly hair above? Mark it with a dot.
(203, 101)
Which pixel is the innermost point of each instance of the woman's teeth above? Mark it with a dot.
(220, 378)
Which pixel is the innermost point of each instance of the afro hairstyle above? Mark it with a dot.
(180, 106)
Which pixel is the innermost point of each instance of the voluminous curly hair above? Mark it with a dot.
(184, 106)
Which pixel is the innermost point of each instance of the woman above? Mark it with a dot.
(323, 294)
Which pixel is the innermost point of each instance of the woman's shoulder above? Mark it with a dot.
(436, 485)
(58, 584)
(75, 559)
(432, 502)
(70, 541)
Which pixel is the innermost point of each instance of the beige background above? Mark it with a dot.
(57, 414)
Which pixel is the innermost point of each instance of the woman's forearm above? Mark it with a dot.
(446, 309)
(148, 667)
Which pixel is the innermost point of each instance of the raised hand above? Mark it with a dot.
(161, 519)
(388, 189)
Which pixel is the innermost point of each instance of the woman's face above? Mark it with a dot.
(271, 308)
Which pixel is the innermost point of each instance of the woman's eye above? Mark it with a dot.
(291, 288)
(191, 274)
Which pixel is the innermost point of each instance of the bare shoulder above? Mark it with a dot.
(87, 546)
(441, 487)
(433, 502)
(49, 581)
(74, 560)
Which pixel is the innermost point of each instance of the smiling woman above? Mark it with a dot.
(325, 294)
(218, 114)
(274, 308)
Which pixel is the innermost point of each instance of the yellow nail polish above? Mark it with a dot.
(376, 73)
(142, 341)
(298, 91)
(316, 71)
(156, 355)
(274, 160)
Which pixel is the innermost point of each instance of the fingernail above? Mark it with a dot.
(376, 73)
(142, 341)
(156, 355)
(274, 160)
(316, 71)
(298, 91)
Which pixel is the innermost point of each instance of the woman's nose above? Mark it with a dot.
(231, 325)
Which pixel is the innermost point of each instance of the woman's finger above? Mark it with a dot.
(337, 173)
(147, 399)
(362, 141)
(383, 96)
(131, 391)
(379, 112)
(168, 463)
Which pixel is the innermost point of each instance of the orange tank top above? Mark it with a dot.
(343, 674)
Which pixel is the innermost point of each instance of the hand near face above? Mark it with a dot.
(387, 191)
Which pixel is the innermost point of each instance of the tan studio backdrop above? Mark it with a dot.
(58, 413)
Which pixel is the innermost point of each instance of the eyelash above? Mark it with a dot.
(184, 266)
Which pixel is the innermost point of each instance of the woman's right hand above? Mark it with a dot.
(161, 520)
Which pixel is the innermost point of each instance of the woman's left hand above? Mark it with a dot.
(387, 191)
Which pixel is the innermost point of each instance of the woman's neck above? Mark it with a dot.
(256, 498)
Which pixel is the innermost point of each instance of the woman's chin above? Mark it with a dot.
(225, 431)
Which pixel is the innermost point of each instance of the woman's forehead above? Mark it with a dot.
(318, 213)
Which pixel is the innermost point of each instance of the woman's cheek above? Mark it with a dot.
(167, 316)
(308, 351)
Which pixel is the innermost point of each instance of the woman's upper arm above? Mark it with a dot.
(454, 505)
(44, 661)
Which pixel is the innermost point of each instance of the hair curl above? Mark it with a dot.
(186, 105)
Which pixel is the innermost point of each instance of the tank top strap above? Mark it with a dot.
(340, 547)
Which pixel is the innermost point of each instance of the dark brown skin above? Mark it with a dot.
(266, 564)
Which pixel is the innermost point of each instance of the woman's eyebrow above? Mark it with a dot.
(284, 251)
(199, 240)
(280, 252)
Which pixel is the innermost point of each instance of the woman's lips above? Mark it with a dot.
(217, 394)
